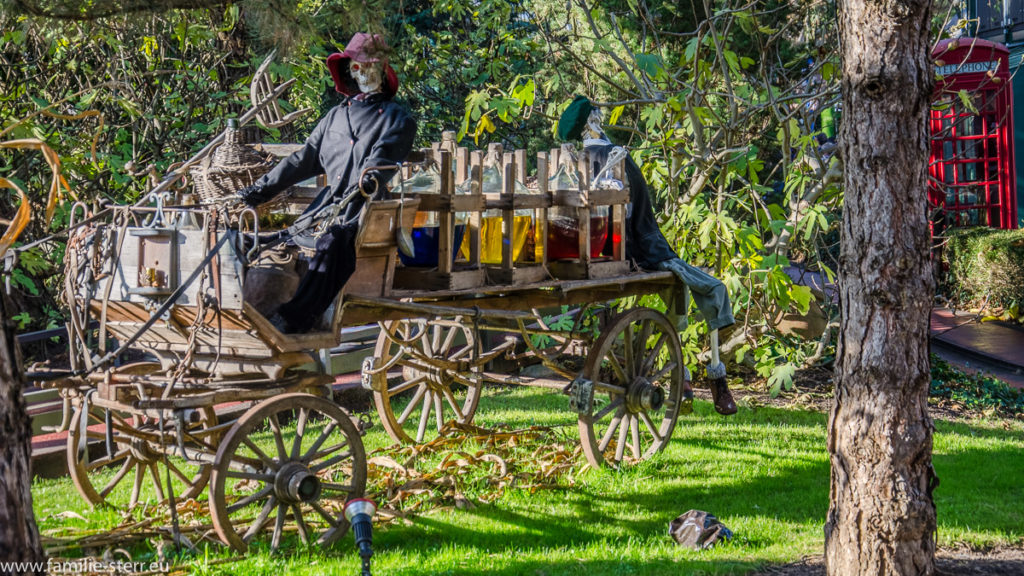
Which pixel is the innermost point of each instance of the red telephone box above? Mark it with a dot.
(972, 176)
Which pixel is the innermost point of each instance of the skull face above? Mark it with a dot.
(594, 129)
(367, 75)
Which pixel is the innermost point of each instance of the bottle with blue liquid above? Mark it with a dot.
(426, 226)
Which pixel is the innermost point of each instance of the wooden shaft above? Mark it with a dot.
(541, 249)
(508, 215)
(477, 174)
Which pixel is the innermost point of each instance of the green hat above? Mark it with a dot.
(574, 119)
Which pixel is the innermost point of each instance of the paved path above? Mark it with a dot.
(993, 347)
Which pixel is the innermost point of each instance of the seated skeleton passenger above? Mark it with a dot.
(647, 246)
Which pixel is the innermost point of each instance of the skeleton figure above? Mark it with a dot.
(367, 75)
(351, 144)
(646, 244)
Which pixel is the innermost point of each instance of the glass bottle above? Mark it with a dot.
(564, 222)
(426, 224)
(491, 226)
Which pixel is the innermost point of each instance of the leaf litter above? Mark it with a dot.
(464, 467)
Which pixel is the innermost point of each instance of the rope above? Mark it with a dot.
(209, 226)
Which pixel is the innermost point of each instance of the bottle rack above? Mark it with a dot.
(522, 268)
(488, 247)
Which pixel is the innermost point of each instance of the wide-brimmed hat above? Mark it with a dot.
(363, 48)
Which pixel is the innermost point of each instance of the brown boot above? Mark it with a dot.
(686, 405)
(724, 404)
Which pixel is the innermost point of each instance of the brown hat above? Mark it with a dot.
(363, 48)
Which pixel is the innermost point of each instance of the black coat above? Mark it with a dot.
(351, 137)
(646, 245)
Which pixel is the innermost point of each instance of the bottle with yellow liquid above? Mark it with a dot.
(492, 234)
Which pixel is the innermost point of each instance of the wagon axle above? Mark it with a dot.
(294, 483)
(643, 396)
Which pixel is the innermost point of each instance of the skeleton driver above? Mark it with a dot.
(368, 129)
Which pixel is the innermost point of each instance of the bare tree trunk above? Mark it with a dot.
(19, 536)
(881, 518)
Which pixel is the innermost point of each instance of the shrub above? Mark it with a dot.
(973, 391)
(986, 267)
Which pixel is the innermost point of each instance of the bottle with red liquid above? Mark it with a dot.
(564, 224)
(564, 232)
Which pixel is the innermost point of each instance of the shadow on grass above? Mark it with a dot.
(978, 491)
(765, 473)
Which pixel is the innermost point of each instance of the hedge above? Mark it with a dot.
(986, 267)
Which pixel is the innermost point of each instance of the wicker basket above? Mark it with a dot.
(231, 167)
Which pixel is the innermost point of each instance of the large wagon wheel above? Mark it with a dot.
(439, 379)
(264, 474)
(135, 454)
(636, 370)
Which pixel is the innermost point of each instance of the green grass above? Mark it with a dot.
(764, 473)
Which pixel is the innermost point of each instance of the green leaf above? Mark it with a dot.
(732, 60)
(650, 64)
(505, 107)
(25, 282)
(475, 103)
(801, 296)
(23, 319)
(828, 71)
(691, 49)
(741, 353)
(525, 93)
(967, 101)
(773, 260)
(781, 378)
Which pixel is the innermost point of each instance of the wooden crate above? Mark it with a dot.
(450, 274)
(585, 200)
(376, 253)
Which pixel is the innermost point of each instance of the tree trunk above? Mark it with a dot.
(19, 537)
(881, 518)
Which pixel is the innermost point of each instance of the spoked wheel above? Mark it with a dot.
(439, 381)
(133, 460)
(636, 367)
(295, 459)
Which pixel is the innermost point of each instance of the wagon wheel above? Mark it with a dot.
(636, 367)
(117, 477)
(439, 382)
(265, 474)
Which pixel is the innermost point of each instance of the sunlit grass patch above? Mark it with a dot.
(763, 472)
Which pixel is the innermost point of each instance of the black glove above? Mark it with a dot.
(252, 195)
(369, 183)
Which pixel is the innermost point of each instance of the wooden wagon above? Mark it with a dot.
(179, 381)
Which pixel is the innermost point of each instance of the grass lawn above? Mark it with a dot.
(763, 472)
